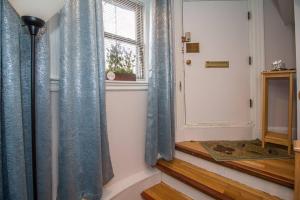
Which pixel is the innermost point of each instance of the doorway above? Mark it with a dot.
(217, 98)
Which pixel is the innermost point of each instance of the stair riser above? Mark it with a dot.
(254, 182)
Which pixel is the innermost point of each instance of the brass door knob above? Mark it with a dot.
(188, 62)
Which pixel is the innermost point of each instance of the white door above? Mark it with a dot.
(217, 96)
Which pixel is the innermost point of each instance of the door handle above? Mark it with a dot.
(188, 62)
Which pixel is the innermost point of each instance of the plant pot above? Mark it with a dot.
(124, 77)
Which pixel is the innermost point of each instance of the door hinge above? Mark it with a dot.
(180, 86)
(251, 103)
(250, 60)
(249, 15)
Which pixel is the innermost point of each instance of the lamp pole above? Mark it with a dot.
(34, 24)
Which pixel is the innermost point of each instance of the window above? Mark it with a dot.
(123, 37)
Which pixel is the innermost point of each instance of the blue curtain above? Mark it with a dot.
(15, 107)
(160, 136)
(84, 159)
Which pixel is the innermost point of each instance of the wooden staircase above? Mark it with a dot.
(210, 183)
(277, 171)
(214, 185)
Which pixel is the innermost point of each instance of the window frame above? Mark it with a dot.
(139, 8)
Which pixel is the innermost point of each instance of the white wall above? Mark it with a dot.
(279, 38)
(126, 118)
(279, 44)
(297, 30)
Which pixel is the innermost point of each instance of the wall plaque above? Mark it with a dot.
(217, 64)
(192, 48)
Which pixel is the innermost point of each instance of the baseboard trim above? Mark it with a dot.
(219, 124)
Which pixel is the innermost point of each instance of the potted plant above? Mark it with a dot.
(120, 63)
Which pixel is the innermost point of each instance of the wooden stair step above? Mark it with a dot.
(210, 183)
(163, 191)
(277, 171)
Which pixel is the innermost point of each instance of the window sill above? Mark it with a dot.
(111, 85)
(126, 85)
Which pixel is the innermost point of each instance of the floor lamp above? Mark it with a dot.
(34, 14)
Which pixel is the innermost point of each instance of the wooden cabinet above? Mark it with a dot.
(269, 136)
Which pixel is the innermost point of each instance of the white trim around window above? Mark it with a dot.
(111, 85)
(126, 85)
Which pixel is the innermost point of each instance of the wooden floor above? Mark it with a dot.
(278, 171)
(163, 191)
(212, 184)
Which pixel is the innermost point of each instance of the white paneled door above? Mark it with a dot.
(217, 95)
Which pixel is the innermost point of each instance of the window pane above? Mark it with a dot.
(119, 21)
(120, 53)
(109, 18)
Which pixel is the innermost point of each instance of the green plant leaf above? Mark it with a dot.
(119, 60)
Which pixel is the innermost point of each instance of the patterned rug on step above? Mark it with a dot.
(244, 150)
